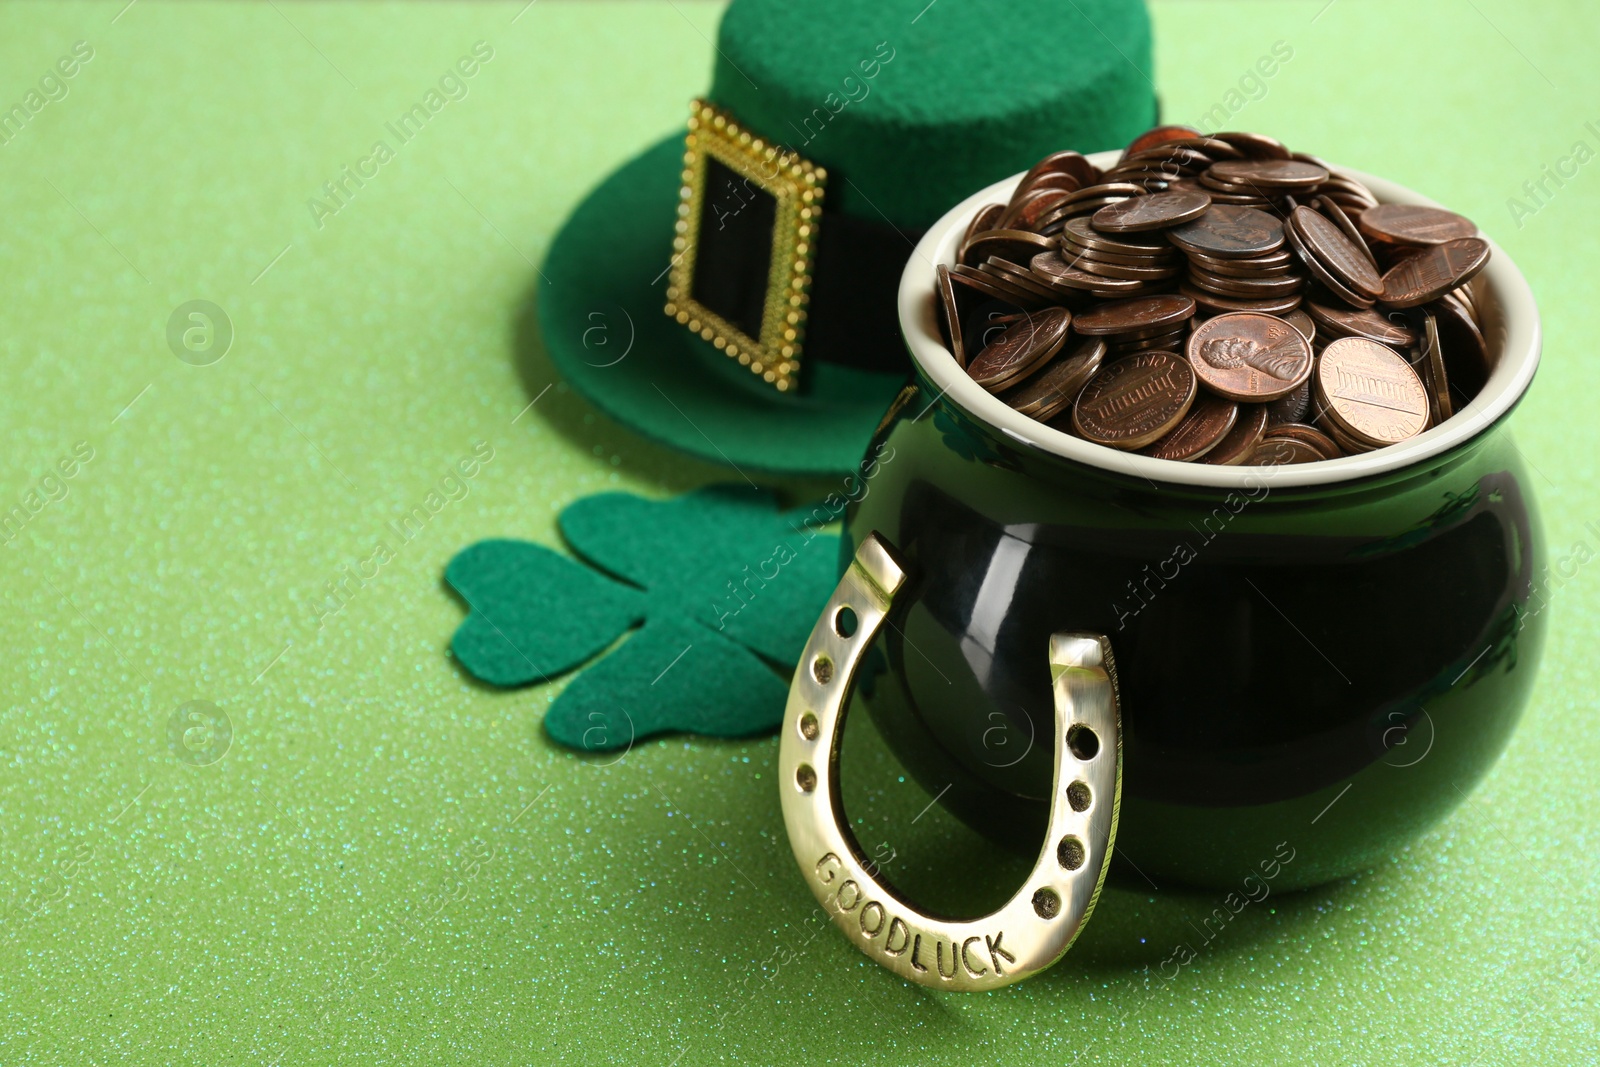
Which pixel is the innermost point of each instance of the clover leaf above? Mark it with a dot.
(711, 593)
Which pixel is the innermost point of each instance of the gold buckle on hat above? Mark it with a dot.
(796, 184)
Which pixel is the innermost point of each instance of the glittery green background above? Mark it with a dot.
(391, 864)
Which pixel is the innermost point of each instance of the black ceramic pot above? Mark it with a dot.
(1328, 654)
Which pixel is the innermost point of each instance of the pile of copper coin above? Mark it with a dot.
(1217, 299)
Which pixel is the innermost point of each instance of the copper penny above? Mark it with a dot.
(1170, 157)
(1021, 347)
(1241, 440)
(1239, 195)
(1433, 372)
(1073, 250)
(1272, 265)
(1018, 246)
(967, 282)
(1343, 322)
(1254, 145)
(1233, 191)
(1055, 181)
(1322, 274)
(1147, 332)
(1086, 202)
(1334, 251)
(1413, 224)
(1229, 232)
(1057, 272)
(1222, 305)
(1466, 355)
(1066, 162)
(1371, 393)
(1081, 232)
(1156, 175)
(1208, 422)
(1076, 255)
(1034, 209)
(1116, 270)
(980, 331)
(1434, 271)
(1308, 435)
(1290, 407)
(1302, 322)
(1351, 203)
(1122, 294)
(1139, 313)
(1351, 195)
(1157, 211)
(1091, 259)
(1270, 174)
(1105, 190)
(1025, 209)
(1213, 146)
(1249, 288)
(949, 317)
(1347, 444)
(1006, 272)
(1010, 289)
(994, 288)
(1072, 207)
(985, 219)
(1347, 226)
(1249, 356)
(1464, 297)
(1159, 135)
(1152, 177)
(1135, 401)
(1278, 451)
(1343, 183)
(1047, 393)
(1172, 342)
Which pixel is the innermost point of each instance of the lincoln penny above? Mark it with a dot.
(1370, 392)
(1250, 357)
(1136, 400)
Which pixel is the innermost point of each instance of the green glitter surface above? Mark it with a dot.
(392, 864)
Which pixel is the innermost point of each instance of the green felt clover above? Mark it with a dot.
(713, 594)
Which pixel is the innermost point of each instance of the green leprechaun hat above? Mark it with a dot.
(774, 231)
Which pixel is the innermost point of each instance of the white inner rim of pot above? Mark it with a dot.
(1510, 320)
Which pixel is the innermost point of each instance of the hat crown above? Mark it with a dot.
(911, 106)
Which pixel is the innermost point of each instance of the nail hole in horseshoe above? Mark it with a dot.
(822, 669)
(1083, 742)
(1046, 903)
(845, 622)
(805, 777)
(1077, 793)
(1071, 853)
(808, 728)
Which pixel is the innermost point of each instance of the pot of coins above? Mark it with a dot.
(1233, 419)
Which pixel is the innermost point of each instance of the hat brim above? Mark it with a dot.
(603, 326)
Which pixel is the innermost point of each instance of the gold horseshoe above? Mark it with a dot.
(1038, 924)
